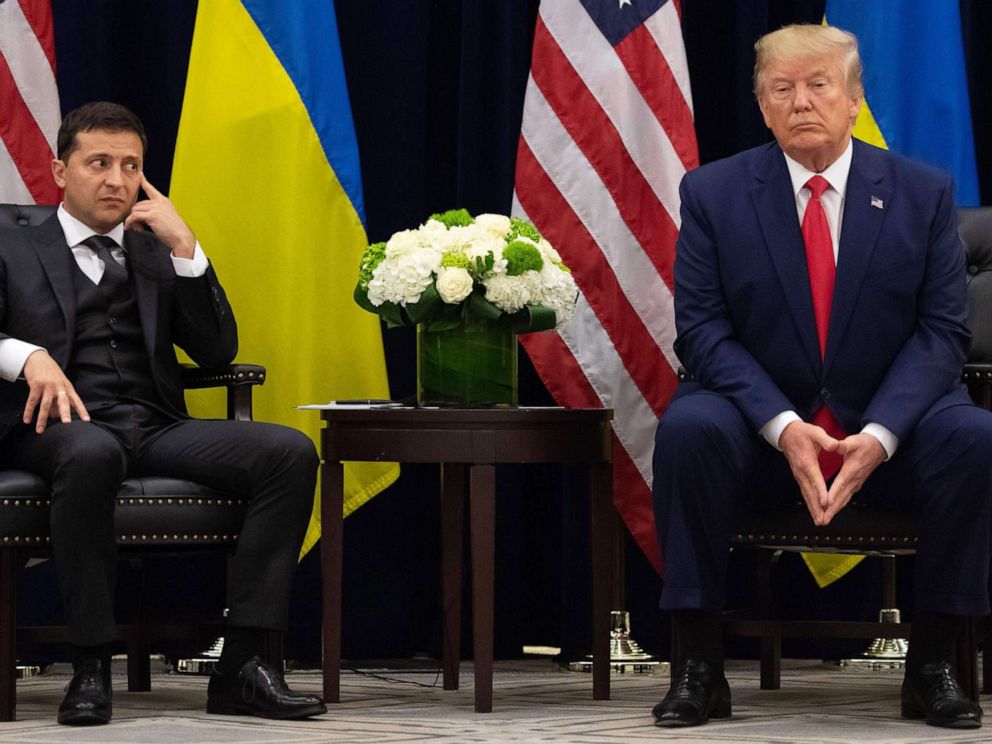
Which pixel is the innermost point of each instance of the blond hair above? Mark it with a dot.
(804, 41)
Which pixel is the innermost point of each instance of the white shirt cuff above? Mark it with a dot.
(886, 438)
(191, 267)
(774, 428)
(13, 354)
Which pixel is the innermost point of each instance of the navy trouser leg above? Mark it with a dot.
(944, 474)
(704, 453)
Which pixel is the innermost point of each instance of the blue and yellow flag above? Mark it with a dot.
(266, 173)
(916, 85)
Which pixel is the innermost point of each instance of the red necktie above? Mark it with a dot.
(822, 270)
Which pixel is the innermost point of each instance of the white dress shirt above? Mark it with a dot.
(833, 206)
(14, 352)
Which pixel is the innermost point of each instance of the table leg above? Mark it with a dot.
(452, 516)
(482, 514)
(331, 564)
(602, 519)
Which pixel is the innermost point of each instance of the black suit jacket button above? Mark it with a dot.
(113, 343)
(824, 394)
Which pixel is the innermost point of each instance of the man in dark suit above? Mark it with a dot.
(820, 304)
(91, 303)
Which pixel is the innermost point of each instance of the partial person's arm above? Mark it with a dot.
(50, 394)
(706, 343)
(930, 361)
(203, 322)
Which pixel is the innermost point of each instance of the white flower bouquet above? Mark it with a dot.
(455, 270)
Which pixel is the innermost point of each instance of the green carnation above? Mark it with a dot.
(454, 218)
(455, 260)
(371, 258)
(522, 228)
(521, 257)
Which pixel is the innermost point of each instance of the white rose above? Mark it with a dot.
(402, 243)
(496, 224)
(454, 284)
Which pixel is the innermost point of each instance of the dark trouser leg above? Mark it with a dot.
(945, 476)
(84, 465)
(277, 468)
(704, 453)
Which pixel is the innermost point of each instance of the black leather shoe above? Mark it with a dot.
(87, 696)
(700, 692)
(933, 692)
(259, 690)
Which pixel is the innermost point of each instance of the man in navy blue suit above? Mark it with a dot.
(820, 304)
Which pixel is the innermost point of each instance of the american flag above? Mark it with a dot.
(607, 135)
(29, 102)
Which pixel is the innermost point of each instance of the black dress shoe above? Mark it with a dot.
(700, 692)
(87, 696)
(932, 692)
(259, 690)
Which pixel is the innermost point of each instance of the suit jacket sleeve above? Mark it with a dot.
(706, 343)
(929, 363)
(203, 321)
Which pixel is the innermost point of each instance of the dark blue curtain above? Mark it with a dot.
(437, 90)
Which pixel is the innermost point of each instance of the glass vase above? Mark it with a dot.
(470, 366)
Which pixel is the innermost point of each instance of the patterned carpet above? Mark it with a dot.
(533, 702)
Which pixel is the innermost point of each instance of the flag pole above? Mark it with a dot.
(626, 656)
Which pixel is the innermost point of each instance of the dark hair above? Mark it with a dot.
(110, 117)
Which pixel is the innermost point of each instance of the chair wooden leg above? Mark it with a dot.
(771, 645)
(8, 633)
(771, 663)
(139, 668)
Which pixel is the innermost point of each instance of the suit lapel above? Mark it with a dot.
(57, 262)
(864, 211)
(774, 203)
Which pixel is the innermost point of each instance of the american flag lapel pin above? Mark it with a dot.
(877, 203)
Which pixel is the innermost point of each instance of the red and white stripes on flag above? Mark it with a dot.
(29, 103)
(607, 135)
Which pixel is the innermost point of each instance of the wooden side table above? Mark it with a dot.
(468, 444)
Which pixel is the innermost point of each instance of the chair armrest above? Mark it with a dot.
(978, 378)
(239, 379)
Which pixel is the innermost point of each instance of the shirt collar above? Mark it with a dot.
(76, 232)
(836, 173)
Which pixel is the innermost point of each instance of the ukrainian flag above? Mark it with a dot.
(916, 104)
(916, 85)
(266, 173)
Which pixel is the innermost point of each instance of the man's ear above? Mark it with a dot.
(856, 104)
(58, 173)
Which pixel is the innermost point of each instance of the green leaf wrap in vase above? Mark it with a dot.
(469, 284)
(467, 366)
